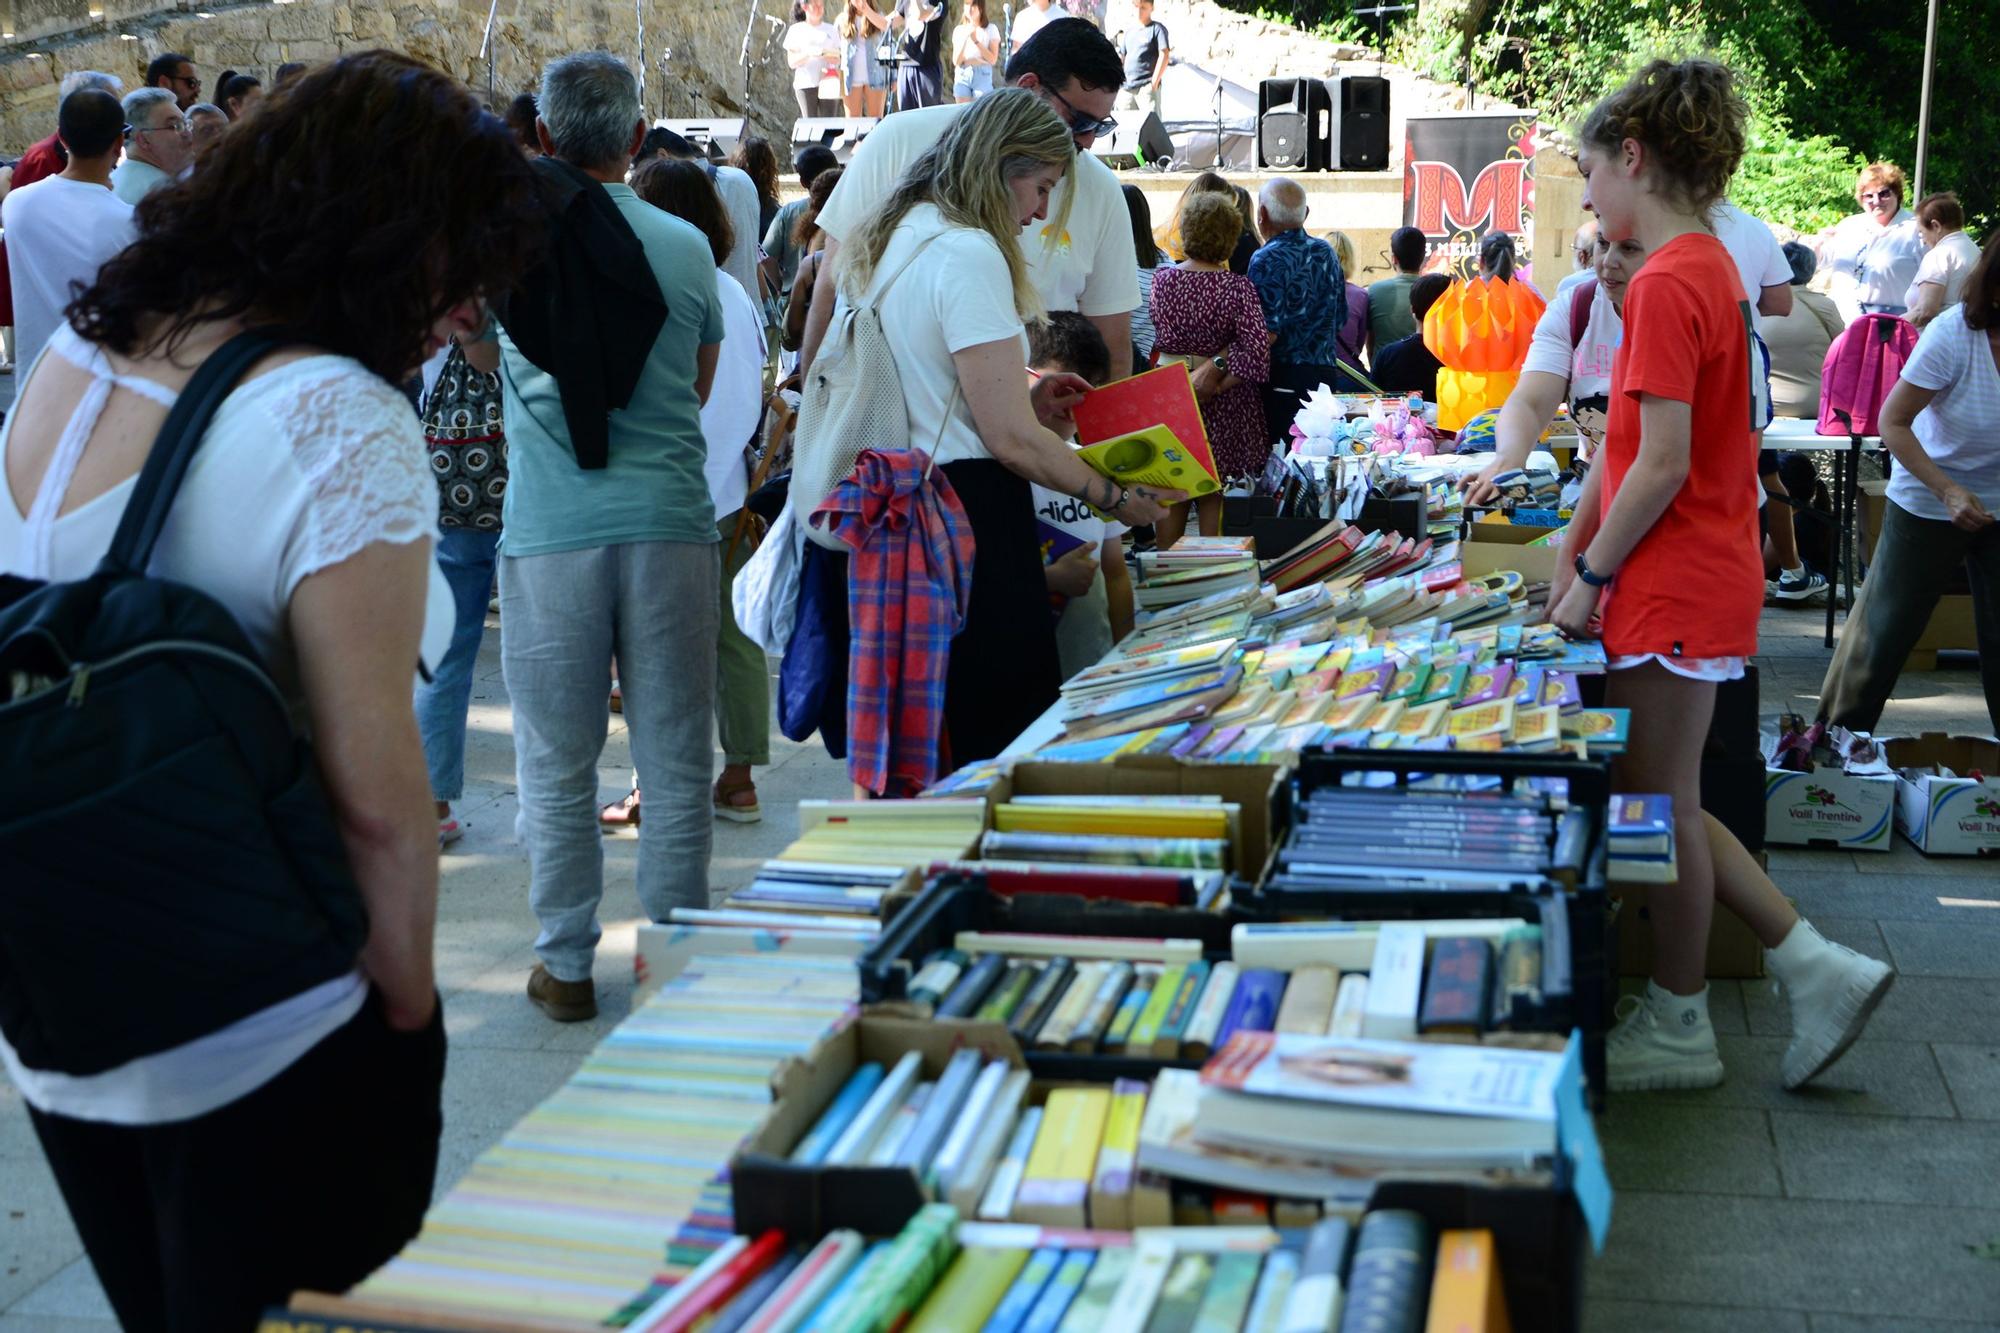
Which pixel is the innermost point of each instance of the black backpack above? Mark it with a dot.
(168, 861)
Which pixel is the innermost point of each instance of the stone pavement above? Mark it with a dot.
(1851, 1207)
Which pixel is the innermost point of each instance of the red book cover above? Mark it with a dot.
(1120, 417)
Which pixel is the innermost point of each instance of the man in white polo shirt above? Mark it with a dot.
(1091, 267)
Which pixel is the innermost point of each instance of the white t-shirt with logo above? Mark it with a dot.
(736, 398)
(822, 42)
(1960, 429)
(1947, 263)
(1089, 268)
(1083, 635)
(59, 232)
(956, 294)
(1587, 366)
(1760, 260)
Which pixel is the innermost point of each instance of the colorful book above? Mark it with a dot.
(1254, 1006)
(1170, 1110)
(1199, 1037)
(1315, 1305)
(1014, 1307)
(1466, 1293)
(1640, 826)
(823, 1269)
(1097, 1292)
(1119, 1035)
(1097, 1017)
(1146, 1028)
(1147, 430)
(974, 1171)
(979, 1111)
(1180, 1295)
(1112, 1179)
(1167, 1041)
(1041, 1000)
(862, 1132)
(1459, 988)
(1078, 992)
(839, 1114)
(1055, 1189)
(1487, 684)
(970, 1290)
(1273, 1294)
(1470, 722)
(1004, 1000)
(1227, 1300)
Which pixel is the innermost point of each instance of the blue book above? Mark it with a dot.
(1055, 1299)
(839, 1114)
(1253, 1007)
(1641, 826)
(1014, 1307)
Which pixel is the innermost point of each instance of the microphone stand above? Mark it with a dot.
(743, 56)
(486, 48)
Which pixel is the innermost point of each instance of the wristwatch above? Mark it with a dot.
(1588, 575)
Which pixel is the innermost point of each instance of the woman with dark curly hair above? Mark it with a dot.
(307, 512)
(1668, 568)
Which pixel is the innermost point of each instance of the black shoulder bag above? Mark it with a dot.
(169, 863)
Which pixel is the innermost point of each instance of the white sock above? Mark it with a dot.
(1674, 1009)
(1795, 572)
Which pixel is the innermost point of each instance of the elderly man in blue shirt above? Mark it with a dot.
(1299, 280)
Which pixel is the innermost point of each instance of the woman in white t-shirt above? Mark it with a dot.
(1949, 255)
(1874, 254)
(307, 512)
(975, 49)
(1568, 361)
(945, 249)
(1942, 424)
(812, 49)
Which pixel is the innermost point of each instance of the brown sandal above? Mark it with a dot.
(727, 809)
(620, 814)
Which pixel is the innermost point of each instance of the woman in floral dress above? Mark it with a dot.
(1211, 318)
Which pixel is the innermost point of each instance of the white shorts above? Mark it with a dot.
(1714, 669)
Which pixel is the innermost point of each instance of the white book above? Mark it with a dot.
(978, 1105)
(1209, 1011)
(1349, 1005)
(998, 1205)
(1133, 1305)
(968, 1185)
(1395, 983)
(901, 1127)
(860, 1135)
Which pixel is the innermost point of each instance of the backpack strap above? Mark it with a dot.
(1581, 298)
(173, 449)
(881, 286)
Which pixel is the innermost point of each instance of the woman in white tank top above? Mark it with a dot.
(366, 210)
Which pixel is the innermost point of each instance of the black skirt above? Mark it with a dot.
(1004, 671)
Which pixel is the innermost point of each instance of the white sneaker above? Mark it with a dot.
(1662, 1040)
(1832, 991)
(1803, 586)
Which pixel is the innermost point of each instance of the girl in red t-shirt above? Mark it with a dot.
(1667, 567)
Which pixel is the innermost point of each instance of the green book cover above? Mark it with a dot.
(1092, 1305)
(1181, 1296)
(1230, 1287)
(1147, 1029)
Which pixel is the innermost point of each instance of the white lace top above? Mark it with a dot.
(301, 468)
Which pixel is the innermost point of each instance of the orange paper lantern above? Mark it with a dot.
(1480, 329)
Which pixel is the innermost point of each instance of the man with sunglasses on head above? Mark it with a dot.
(1091, 267)
(157, 144)
(175, 73)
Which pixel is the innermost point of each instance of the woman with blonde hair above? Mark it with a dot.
(1354, 333)
(941, 261)
(1875, 254)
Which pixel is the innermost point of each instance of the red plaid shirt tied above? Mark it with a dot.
(909, 581)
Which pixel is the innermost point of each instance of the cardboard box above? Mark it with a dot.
(1734, 953)
(1949, 816)
(1480, 554)
(768, 1189)
(1829, 808)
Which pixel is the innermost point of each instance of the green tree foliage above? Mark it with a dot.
(1831, 83)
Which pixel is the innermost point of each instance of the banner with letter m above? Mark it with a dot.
(1465, 175)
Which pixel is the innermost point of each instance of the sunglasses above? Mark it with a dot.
(1870, 196)
(1079, 123)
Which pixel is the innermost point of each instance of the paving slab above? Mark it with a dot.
(1972, 1074)
(1876, 1159)
(1882, 1078)
(1649, 1145)
(36, 1238)
(1618, 1316)
(1969, 948)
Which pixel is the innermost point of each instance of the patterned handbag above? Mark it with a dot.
(468, 444)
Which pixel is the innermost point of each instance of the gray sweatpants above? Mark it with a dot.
(1914, 559)
(563, 616)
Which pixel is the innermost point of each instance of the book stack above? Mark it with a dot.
(571, 1212)
(1173, 851)
(1193, 569)
(940, 1276)
(1639, 837)
(824, 893)
(1398, 840)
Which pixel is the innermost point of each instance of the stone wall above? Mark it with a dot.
(700, 38)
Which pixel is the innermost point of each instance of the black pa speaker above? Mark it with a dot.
(1294, 125)
(843, 134)
(1361, 123)
(719, 134)
(1130, 146)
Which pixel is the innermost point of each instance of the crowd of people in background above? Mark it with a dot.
(555, 362)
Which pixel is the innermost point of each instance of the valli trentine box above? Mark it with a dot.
(1955, 816)
(1829, 808)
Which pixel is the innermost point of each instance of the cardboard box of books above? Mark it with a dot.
(1486, 551)
(1948, 793)
(1837, 791)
